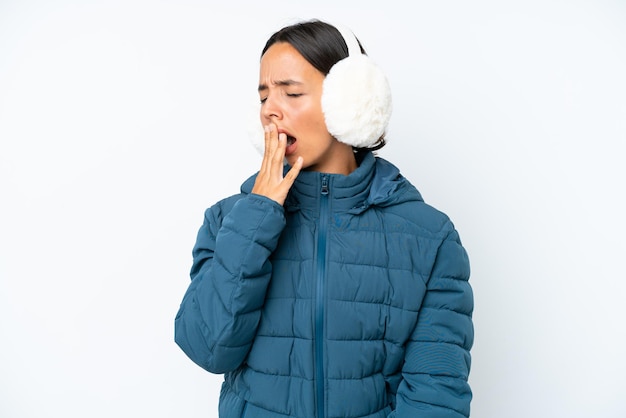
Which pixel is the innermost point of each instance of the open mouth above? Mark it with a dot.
(291, 142)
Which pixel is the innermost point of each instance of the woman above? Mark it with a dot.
(327, 287)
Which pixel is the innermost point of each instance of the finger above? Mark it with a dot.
(291, 175)
(271, 144)
(282, 188)
(266, 140)
(279, 153)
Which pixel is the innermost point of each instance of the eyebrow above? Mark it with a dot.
(282, 83)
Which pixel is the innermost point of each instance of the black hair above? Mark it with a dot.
(322, 45)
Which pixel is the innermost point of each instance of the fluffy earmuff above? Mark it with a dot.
(356, 97)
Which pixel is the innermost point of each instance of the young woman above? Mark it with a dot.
(327, 287)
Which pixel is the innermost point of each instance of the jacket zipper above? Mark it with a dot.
(319, 298)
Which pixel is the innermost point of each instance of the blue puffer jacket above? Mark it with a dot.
(352, 300)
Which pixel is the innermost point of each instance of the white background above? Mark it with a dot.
(121, 121)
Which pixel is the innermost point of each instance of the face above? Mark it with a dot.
(290, 89)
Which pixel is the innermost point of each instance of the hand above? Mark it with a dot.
(270, 181)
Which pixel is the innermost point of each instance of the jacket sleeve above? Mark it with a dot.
(219, 314)
(437, 358)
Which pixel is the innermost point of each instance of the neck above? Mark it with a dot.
(346, 161)
(342, 161)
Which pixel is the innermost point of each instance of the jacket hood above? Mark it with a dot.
(375, 182)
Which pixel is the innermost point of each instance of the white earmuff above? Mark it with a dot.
(356, 97)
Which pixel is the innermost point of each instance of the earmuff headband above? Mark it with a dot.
(348, 36)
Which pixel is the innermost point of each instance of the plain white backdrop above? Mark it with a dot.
(121, 121)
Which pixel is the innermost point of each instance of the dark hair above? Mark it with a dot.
(322, 45)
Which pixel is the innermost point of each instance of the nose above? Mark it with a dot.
(271, 109)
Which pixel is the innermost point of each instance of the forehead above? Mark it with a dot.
(282, 61)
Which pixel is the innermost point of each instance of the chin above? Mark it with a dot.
(291, 159)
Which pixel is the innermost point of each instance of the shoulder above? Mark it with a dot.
(223, 206)
(407, 203)
(226, 204)
(245, 200)
(425, 216)
(217, 211)
(214, 215)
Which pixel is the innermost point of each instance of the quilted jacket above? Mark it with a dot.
(351, 300)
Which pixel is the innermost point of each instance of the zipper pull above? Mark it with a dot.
(324, 190)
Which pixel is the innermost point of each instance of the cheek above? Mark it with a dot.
(313, 117)
(318, 122)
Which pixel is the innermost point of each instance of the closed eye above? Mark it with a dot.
(264, 99)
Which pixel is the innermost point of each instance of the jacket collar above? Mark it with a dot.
(375, 182)
(345, 191)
